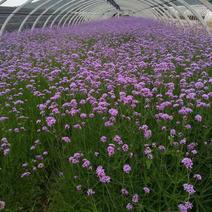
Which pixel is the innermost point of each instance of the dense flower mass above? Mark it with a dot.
(106, 116)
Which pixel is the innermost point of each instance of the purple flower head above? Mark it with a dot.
(105, 179)
(189, 188)
(113, 112)
(101, 175)
(86, 163)
(187, 162)
(172, 132)
(199, 85)
(111, 150)
(25, 174)
(198, 118)
(127, 168)
(117, 139)
(50, 121)
(135, 198)
(146, 190)
(66, 139)
(103, 139)
(198, 177)
(125, 148)
(147, 134)
(129, 206)
(100, 171)
(124, 191)
(185, 206)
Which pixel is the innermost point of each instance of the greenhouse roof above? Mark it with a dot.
(22, 14)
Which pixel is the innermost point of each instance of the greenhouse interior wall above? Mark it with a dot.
(33, 14)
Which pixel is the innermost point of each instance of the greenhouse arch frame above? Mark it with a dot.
(61, 13)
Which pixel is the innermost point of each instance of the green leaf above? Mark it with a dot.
(148, 163)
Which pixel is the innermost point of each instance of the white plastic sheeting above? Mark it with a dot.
(61, 13)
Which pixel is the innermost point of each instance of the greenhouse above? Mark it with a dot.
(105, 105)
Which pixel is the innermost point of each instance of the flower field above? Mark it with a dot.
(106, 116)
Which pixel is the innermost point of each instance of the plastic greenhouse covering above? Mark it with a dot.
(22, 14)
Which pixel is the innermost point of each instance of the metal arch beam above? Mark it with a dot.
(75, 20)
(64, 17)
(175, 15)
(67, 7)
(167, 14)
(33, 11)
(174, 6)
(198, 16)
(182, 14)
(40, 16)
(84, 10)
(64, 11)
(77, 3)
(156, 14)
(159, 12)
(153, 11)
(170, 14)
(161, 9)
(81, 20)
(164, 7)
(12, 15)
(66, 14)
(206, 4)
(57, 10)
(134, 5)
(82, 7)
(69, 16)
(188, 7)
(123, 5)
(2, 1)
(90, 11)
(114, 4)
(72, 16)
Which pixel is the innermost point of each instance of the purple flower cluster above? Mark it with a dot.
(127, 168)
(5, 146)
(184, 207)
(101, 175)
(187, 162)
(132, 94)
(189, 188)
